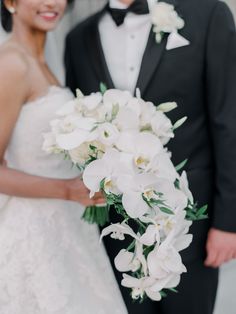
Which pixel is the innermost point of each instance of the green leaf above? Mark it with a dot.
(93, 148)
(103, 88)
(181, 165)
(147, 250)
(166, 210)
(102, 184)
(203, 217)
(96, 215)
(131, 246)
(115, 110)
(154, 202)
(173, 290)
(163, 294)
(177, 184)
(191, 216)
(201, 211)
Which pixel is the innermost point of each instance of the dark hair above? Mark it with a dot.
(6, 18)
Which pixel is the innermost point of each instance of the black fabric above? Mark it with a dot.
(138, 7)
(201, 78)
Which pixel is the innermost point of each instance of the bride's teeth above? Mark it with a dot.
(48, 14)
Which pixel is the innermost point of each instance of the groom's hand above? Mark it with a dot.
(220, 247)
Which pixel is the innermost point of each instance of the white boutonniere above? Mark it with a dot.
(165, 19)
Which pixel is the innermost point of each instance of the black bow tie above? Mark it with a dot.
(138, 7)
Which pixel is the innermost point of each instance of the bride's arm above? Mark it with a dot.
(14, 89)
(16, 183)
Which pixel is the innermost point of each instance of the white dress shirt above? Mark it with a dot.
(124, 45)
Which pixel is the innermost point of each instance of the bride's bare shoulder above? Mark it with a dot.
(14, 75)
(13, 60)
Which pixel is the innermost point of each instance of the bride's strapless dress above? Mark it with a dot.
(51, 262)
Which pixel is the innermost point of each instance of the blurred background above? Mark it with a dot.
(226, 300)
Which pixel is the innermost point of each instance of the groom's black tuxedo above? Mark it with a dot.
(201, 77)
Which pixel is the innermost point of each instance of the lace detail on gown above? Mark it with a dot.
(51, 262)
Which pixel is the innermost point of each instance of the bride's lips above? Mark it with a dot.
(48, 16)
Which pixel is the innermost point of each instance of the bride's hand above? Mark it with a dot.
(77, 191)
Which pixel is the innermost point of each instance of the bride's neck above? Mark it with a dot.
(32, 40)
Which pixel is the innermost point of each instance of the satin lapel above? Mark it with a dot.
(151, 59)
(95, 52)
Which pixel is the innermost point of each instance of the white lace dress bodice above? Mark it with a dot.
(51, 262)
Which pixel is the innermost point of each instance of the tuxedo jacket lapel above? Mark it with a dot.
(95, 51)
(152, 57)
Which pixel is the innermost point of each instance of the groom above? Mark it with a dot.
(196, 68)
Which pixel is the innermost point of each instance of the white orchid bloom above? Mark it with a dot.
(148, 110)
(170, 281)
(131, 261)
(161, 223)
(116, 97)
(91, 102)
(162, 127)
(82, 153)
(108, 168)
(160, 189)
(179, 235)
(142, 146)
(50, 145)
(118, 231)
(184, 186)
(141, 286)
(67, 124)
(177, 226)
(151, 235)
(108, 133)
(163, 260)
(162, 166)
(137, 187)
(160, 226)
(136, 105)
(75, 132)
(129, 116)
(126, 119)
(75, 139)
(134, 187)
(167, 253)
(126, 261)
(172, 197)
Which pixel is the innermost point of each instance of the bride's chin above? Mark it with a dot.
(47, 26)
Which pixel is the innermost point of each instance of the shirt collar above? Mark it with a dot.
(116, 4)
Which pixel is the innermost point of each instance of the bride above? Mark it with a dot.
(50, 261)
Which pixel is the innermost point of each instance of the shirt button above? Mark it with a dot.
(131, 69)
(132, 36)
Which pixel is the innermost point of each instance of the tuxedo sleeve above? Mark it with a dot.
(69, 66)
(221, 107)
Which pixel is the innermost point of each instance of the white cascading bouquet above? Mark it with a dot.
(118, 141)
